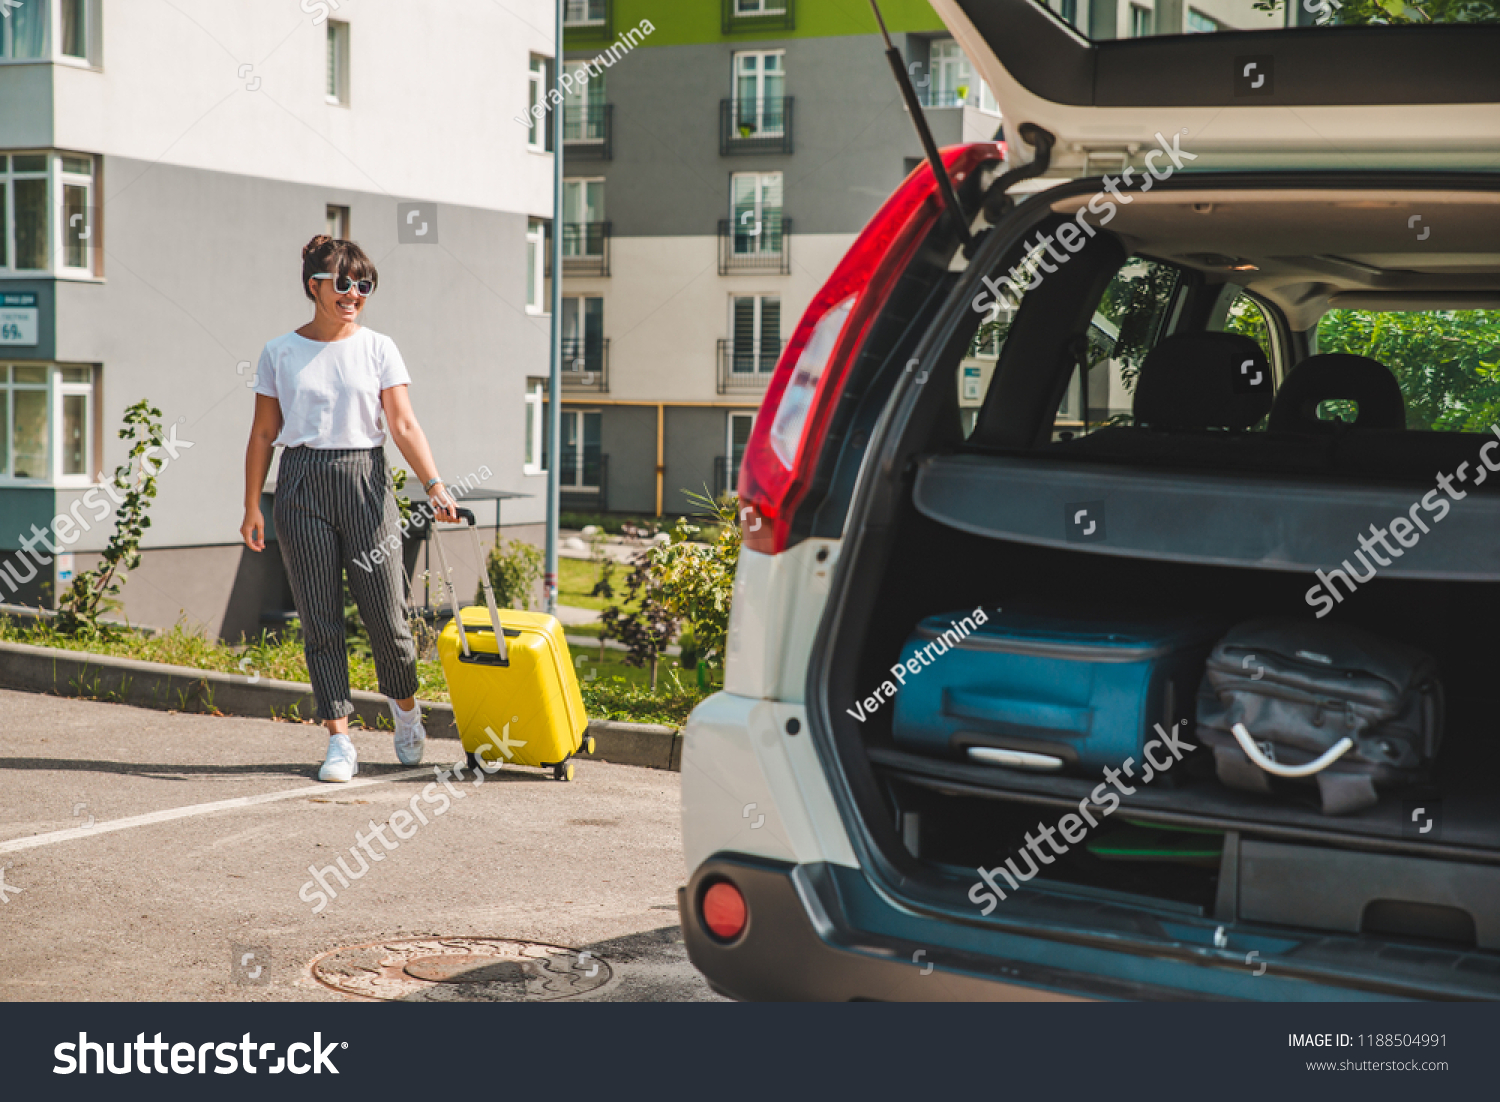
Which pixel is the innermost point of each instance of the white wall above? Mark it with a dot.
(434, 88)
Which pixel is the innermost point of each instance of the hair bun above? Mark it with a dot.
(315, 244)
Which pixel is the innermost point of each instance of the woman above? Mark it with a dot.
(319, 393)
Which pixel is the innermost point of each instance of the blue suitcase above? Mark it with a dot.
(1047, 693)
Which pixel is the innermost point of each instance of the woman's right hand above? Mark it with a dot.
(253, 530)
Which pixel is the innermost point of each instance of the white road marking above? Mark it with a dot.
(166, 816)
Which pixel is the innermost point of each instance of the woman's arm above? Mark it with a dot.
(263, 432)
(412, 443)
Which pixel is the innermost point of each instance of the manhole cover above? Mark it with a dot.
(462, 969)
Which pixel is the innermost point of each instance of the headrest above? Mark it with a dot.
(1333, 375)
(1203, 381)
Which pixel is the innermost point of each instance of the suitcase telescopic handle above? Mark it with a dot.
(466, 517)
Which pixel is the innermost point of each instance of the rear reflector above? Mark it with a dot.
(724, 910)
(787, 439)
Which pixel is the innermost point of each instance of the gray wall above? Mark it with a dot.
(850, 129)
(628, 437)
(694, 437)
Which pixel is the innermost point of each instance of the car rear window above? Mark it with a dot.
(1147, 19)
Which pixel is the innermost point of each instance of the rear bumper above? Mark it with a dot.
(798, 945)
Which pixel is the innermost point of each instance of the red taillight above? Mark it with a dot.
(789, 431)
(724, 910)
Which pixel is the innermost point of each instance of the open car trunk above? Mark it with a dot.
(1228, 527)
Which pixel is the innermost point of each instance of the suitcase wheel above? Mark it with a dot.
(562, 771)
(588, 744)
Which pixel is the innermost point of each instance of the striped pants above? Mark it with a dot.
(335, 515)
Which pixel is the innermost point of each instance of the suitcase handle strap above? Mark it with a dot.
(466, 516)
(1317, 765)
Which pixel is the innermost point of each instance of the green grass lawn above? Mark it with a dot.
(576, 577)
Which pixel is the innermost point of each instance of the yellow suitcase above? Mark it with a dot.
(515, 692)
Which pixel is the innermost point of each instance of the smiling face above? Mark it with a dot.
(340, 309)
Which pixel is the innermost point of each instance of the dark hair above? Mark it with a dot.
(345, 258)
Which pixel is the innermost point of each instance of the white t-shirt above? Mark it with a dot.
(330, 390)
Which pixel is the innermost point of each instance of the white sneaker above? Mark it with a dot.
(342, 762)
(411, 736)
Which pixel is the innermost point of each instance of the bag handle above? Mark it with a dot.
(1307, 769)
(484, 581)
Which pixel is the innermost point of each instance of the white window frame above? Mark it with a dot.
(1213, 24)
(585, 21)
(56, 180)
(733, 472)
(52, 53)
(569, 185)
(536, 254)
(536, 408)
(580, 313)
(757, 335)
(336, 88)
(1142, 13)
(536, 92)
(760, 89)
(336, 222)
(585, 101)
(758, 8)
(579, 465)
(55, 389)
(761, 179)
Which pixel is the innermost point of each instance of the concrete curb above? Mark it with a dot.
(180, 688)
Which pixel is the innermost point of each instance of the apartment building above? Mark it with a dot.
(716, 171)
(161, 166)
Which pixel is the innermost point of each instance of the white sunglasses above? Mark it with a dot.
(364, 288)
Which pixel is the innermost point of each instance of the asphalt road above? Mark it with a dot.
(139, 892)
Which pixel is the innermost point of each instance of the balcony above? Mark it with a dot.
(585, 249)
(585, 366)
(588, 21)
(761, 246)
(584, 480)
(758, 16)
(744, 369)
(726, 475)
(755, 126)
(588, 133)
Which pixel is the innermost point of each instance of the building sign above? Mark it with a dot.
(18, 319)
(971, 384)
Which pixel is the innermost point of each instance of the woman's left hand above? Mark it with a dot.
(444, 508)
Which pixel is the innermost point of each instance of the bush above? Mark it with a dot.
(697, 580)
(514, 569)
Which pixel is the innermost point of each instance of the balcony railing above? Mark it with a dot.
(585, 483)
(726, 474)
(588, 20)
(585, 248)
(585, 366)
(755, 126)
(588, 133)
(746, 16)
(756, 245)
(744, 369)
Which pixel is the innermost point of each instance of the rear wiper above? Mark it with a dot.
(919, 120)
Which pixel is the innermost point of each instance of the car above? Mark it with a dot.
(1165, 205)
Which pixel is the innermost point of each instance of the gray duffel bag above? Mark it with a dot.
(1305, 701)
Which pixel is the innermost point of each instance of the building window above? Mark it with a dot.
(583, 105)
(952, 82)
(338, 62)
(584, 13)
(582, 332)
(34, 186)
(755, 212)
(1068, 9)
(46, 423)
(536, 94)
(535, 461)
(1140, 21)
(755, 333)
(23, 32)
(581, 451)
(737, 438)
(759, 7)
(760, 93)
(336, 223)
(536, 266)
(583, 218)
(1198, 23)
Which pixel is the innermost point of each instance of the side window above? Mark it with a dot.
(1247, 317)
(1131, 317)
